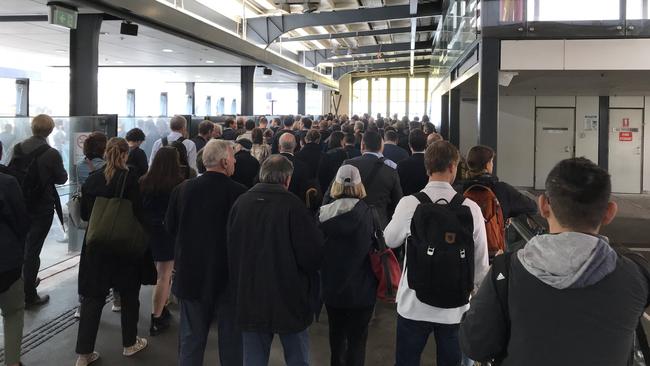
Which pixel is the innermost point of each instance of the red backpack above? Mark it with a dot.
(493, 215)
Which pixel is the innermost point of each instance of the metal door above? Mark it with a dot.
(554, 140)
(626, 149)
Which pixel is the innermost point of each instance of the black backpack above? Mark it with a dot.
(440, 252)
(24, 167)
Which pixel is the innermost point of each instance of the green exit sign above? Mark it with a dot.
(63, 17)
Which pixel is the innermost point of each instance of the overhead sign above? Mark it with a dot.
(63, 17)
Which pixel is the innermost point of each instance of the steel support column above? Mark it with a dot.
(444, 116)
(603, 132)
(247, 90)
(22, 97)
(488, 92)
(84, 59)
(454, 117)
(301, 98)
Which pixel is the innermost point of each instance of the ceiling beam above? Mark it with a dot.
(268, 29)
(23, 18)
(414, 34)
(315, 57)
(339, 71)
(374, 57)
(374, 32)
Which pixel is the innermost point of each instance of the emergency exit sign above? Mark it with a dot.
(63, 17)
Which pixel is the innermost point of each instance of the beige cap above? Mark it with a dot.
(348, 176)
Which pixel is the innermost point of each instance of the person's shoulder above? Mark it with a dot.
(6, 179)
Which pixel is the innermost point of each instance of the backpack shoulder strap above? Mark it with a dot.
(39, 151)
(500, 280)
(422, 197)
(373, 173)
(181, 139)
(164, 141)
(457, 201)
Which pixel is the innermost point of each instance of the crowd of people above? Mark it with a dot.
(258, 225)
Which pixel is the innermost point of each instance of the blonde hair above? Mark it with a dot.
(42, 125)
(339, 190)
(116, 148)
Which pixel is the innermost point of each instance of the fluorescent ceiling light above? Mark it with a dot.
(209, 61)
(119, 62)
(197, 76)
(167, 50)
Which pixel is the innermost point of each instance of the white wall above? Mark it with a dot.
(516, 140)
(468, 125)
(587, 120)
(646, 146)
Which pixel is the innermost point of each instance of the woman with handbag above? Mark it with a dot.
(349, 286)
(156, 187)
(103, 266)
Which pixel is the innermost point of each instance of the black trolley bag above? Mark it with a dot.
(440, 252)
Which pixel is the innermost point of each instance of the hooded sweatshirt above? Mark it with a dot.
(346, 274)
(571, 299)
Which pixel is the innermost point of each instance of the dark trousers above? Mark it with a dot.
(348, 334)
(412, 336)
(33, 245)
(257, 348)
(196, 317)
(91, 313)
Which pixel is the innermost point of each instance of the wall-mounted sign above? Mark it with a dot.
(625, 136)
(626, 122)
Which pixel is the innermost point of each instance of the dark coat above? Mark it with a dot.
(246, 168)
(99, 272)
(593, 325)
(138, 161)
(228, 134)
(200, 142)
(196, 218)
(14, 224)
(331, 163)
(385, 191)
(395, 153)
(312, 156)
(300, 178)
(513, 203)
(346, 275)
(274, 251)
(160, 241)
(412, 174)
(352, 151)
(51, 172)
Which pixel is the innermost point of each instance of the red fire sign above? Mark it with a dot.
(625, 136)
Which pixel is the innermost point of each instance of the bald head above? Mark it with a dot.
(287, 142)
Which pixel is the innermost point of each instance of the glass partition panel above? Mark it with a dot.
(636, 9)
(573, 10)
(398, 97)
(275, 98)
(222, 98)
(7, 97)
(314, 101)
(153, 128)
(379, 103)
(360, 96)
(417, 96)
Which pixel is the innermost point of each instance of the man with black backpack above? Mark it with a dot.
(38, 167)
(178, 125)
(566, 298)
(446, 258)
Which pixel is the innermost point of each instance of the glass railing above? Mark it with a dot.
(457, 33)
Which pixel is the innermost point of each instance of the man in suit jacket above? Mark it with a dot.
(379, 178)
(197, 216)
(391, 150)
(247, 166)
(349, 141)
(311, 153)
(229, 130)
(300, 177)
(412, 173)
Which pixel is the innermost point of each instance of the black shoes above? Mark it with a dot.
(36, 301)
(158, 325)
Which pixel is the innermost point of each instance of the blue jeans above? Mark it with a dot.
(257, 347)
(412, 337)
(196, 317)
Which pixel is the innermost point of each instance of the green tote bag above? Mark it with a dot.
(113, 227)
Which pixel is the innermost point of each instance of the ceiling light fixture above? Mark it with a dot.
(167, 50)
(209, 61)
(119, 62)
(60, 51)
(197, 76)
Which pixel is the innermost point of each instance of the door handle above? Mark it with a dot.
(638, 150)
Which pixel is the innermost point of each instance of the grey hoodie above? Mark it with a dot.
(568, 260)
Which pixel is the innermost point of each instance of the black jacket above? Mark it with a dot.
(513, 203)
(99, 272)
(228, 134)
(312, 156)
(300, 178)
(412, 174)
(331, 163)
(196, 218)
(50, 166)
(200, 142)
(352, 151)
(346, 275)
(14, 224)
(593, 325)
(138, 161)
(274, 251)
(395, 153)
(246, 168)
(384, 192)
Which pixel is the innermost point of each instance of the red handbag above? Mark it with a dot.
(384, 265)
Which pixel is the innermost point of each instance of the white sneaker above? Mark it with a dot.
(140, 344)
(84, 360)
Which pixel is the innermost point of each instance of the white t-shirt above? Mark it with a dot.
(399, 228)
(173, 136)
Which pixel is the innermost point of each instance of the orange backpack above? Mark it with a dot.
(493, 215)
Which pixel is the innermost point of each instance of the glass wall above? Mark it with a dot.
(398, 97)
(7, 97)
(225, 98)
(379, 103)
(562, 10)
(275, 98)
(360, 96)
(417, 97)
(313, 101)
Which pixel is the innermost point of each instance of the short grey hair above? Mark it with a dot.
(177, 123)
(287, 142)
(215, 151)
(275, 169)
(218, 128)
